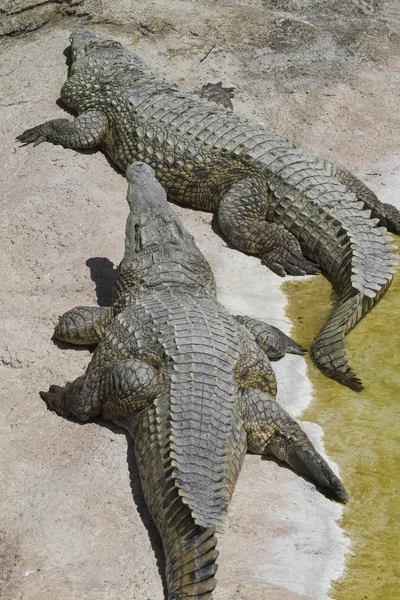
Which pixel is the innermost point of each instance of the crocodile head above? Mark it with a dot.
(156, 244)
(86, 44)
(152, 222)
(79, 39)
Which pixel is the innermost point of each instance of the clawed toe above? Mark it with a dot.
(54, 399)
(55, 389)
(31, 136)
(289, 265)
(392, 215)
(291, 445)
(301, 266)
(312, 268)
(294, 348)
(276, 268)
(50, 399)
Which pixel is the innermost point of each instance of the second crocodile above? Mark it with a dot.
(192, 385)
(269, 198)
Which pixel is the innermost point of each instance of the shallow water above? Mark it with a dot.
(362, 433)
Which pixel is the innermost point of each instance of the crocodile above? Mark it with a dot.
(191, 384)
(298, 214)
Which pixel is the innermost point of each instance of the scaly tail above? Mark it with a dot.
(328, 349)
(191, 566)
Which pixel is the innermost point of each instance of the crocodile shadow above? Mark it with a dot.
(138, 498)
(103, 274)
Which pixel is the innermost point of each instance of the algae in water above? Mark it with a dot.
(362, 433)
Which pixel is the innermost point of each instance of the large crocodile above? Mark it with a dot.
(269, 198)
(187, 380)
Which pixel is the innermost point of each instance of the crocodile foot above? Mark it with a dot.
(271, 340)
(392, 215)
(54, 399)
(85, 131)
(272, 431)
(283, 262)
(291, 445)
(35, 135)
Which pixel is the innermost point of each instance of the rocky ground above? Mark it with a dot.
(72, 518)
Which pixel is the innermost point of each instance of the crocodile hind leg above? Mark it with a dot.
(83, 325)
(86, 131)
(272, 431)
(116, 392)
(271, 340)
(387, 214)
(241, 216)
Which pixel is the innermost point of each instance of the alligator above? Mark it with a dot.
(192, 385)
(270, 199)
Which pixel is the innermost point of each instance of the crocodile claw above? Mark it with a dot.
(54, 399)
(283, 263)
(291, 445)
(392, 215)
(34, 136)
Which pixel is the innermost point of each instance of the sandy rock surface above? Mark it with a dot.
(73, 523)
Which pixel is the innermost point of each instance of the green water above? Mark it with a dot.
(362, 434)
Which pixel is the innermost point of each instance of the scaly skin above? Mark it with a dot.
(270, 199)
(187, 380)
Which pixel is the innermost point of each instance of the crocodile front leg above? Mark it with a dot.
(241, 216)
(271, 340)
(86, 131)
(84, 325)
(272, 431)
(115, 392)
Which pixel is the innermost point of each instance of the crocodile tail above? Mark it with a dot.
(191, 566)
(190, 549)
(328, 348)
